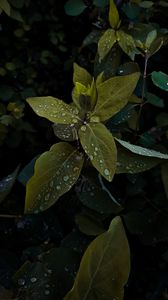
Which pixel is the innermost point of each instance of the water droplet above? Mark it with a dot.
(47, 292)
(51, 183)
(58, 187)
(49, 271)
(21, 281)
(76, 169)
(33, 279)
(106, 172)
(91, 157)
(47, 197)
(83, 128)
(96, 149)
(65, 178)
(100, 161)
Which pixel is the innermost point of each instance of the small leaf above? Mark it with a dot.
(164, 172)
(132, 163)
(99, 145)
(6, 184)
(89, 224)
(160, 79)
(54, 110)
(66, 132)
(142, 151)
(92, 37)
(113, 95)
(150, 38)
(114, 18)
(106, 42)
(104, 268)
(126, 43)
(56, 171)
(156, 45)
(5, 6)
(81, 75)
(74, 7)
(154, 100)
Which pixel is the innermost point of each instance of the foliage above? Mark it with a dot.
(76, 172)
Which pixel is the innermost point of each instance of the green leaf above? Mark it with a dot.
(113, 95)
(6, 184)
(17, 3)
(132, 10)
(104, 268)
(150, 38)
(106, 42)
(142, 151)
(154, 100)
(5, 6)
(126, 43)
(101, 3)
(66, 132)
(56, 171)
(99, 145)
(27, 172)
(89, 224)
(132, 163)
(74, 7)
(54, 110)
(92, 37)
(114, 18)
(81, 75)
(156, 45)
(164, 172)
(146, 4)
(160, 79)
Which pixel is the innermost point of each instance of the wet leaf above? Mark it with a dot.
(74, 7)
(126, 43)
(7, 183)
(106, 42)
(156, 45)
(128, 68)
(164, 172)
(150, 38)
(5, 6)
(55, 173)
(154, 100)
(54, 110)
(99, 145)
(160, 79)
(81, 75)
(113, 95)
(66, 132)
(114, 18)
(104, 268)
(142, 151)
(133, 163)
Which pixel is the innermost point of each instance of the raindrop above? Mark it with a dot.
(83, 128)
(58, 187)
(47, 197)
(49, 271)
(21, 281)
(33, 279)
(47, 292)
(65, 178)
(91, 157)
(106, 172)
(51, 183)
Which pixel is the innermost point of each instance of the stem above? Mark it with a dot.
(10, 216)
(143, 91)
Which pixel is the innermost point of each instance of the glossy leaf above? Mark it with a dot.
(114, 18)
(106, 42)
(164, 171)
(99, 145)
(142, 151)
(160, 79)
(126, 43)
(54, 110)
(113, 95)
(6, 184)
(133, 163)
(150, 38)
(5, 6)
(104, 268)
(55, 173)
(154, 100)
(74, 7)
(66, 132)
(81, 75)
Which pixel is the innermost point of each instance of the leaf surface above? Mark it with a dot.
(114, 18)
(160, 79)
(106, 42)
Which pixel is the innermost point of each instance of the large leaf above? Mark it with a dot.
(56, 171)
(54, 110)
(160, 79)
(104, 268)
(128, 162)
(99, 145)
(5, 6)
(106, 42)
(114, 18)
(113, 95)
(142, 151)
(74, 7)
(6, 184)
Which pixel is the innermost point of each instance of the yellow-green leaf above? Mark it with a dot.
(126, 43)
(81, 75)
(105, 267)
(99, 145)
(164, 170)
(55, 173)
(106, 42)
(84, 97)
(114, 18)
(54, 110)
(66, 132)
(113, 95)
(5, 6)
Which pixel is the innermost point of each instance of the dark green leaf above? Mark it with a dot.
(6, 184)
(160, 79)
(74, 7)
